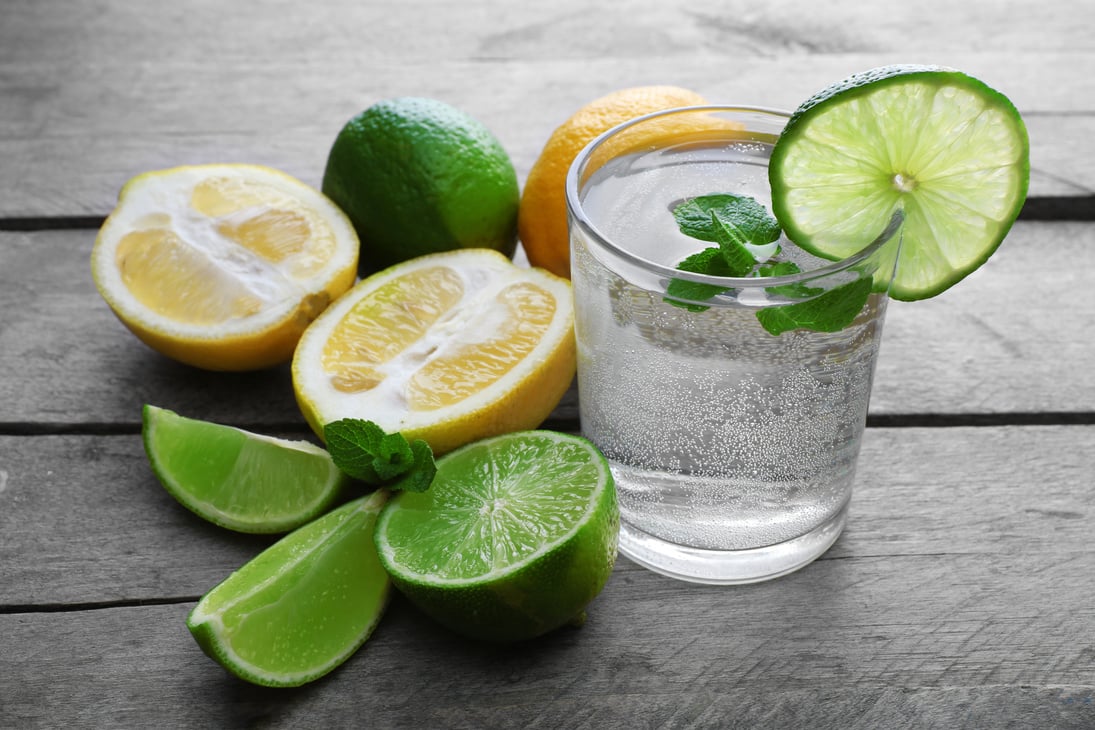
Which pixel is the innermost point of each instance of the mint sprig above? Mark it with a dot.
(739, 225)
(745, 231)
(364, 451)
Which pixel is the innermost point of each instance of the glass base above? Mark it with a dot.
(729, 567)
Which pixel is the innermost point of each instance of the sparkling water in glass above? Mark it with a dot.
(733, 449)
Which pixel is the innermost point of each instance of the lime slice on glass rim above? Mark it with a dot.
(935, 143)
(516, 535)
(302, 606)
(237, 479)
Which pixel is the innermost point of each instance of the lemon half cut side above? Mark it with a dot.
(222, 266)
(450, 348)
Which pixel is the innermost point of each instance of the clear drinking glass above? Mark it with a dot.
(733, 449)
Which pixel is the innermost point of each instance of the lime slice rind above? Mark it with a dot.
(944, 147)
(236, 479)
(301, 607)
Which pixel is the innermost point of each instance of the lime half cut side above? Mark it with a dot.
(237, 479)
(516, 535)
(949, 151)
(302, 606)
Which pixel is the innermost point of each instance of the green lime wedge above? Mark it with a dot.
(516, 535)
(302, 606)
(236, 479)
(949, 151)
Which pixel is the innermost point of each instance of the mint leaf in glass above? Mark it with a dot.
(708, 261)
(732, 242)
(797, 290)
(363, 451)
(746, 233)
(830, 312)
(694, 218)
(741, 226)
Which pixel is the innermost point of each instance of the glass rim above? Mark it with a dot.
(578, 214)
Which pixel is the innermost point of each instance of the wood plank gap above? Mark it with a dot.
(52, 223)
(569, 425)
(1061, 208)
(54, 428)
(563, 425)
(1077, 208)
(957, 420)
(25, 608)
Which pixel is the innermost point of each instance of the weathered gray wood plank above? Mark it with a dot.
(95, 94)
(74, 175)
(491, 30)
(958, 597)
(83, 520)
(1006, 340)
(138, 667)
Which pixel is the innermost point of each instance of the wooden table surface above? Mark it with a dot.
(962, 593)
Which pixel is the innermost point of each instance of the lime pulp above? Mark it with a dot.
(301, 607)
(237, 479)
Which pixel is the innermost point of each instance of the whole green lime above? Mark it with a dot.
(418, 176)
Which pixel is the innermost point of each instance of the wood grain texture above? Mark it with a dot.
(97, 93)
(958, 597)
(958, 594)
(105, 666)
(1005, 340)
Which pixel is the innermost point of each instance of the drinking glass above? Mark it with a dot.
(733, 449)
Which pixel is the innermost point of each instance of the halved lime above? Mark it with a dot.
(949, 151)
(237, 479)
(302, 606)
(516, 535)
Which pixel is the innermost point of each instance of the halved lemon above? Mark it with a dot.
(449, 348)
(222, 266)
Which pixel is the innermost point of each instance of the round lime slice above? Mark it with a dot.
(516, 535)
(237, 479)
(941, 146)
(302, 606)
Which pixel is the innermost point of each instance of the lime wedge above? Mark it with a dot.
(236, 479)
(302, 606)
(516, 535)
(949, 151)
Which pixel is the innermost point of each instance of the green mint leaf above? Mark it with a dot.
(830, 312)
(788, 268)
(394, 457)
(363, 451)
(419, 478)
(757, 225)
(353, 445)
(779, 268)
(732, 240)
(708, 261)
